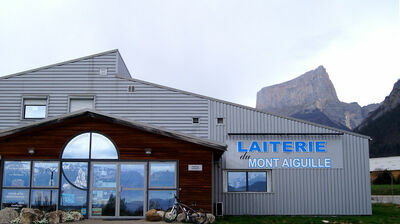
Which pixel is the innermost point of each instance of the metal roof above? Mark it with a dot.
(247, 107)
(190, 93)
(118, 120)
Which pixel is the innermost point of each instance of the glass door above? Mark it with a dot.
(132, 189)
(103, 193)
(117, 190)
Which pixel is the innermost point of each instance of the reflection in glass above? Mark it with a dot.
(45, 174)
(17, 173)
(161, 199)
(72, 199)
(131, 203)
(236, 181)
(35, 111)
(132, 175)
(162, 174)
(102, 148)
(103, 203)
(45, 200)
(76, 172)
(15, 198)
(104, 175)
(257, 181)
(78, 147)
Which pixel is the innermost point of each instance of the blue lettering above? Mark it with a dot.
(268, 163)
(252, 163)
(254, 146)
(240, 149)
(310, 146)
(265, 146)
(328, 163)
(285, 164)
(320, 146)
(287, 146)
(296, 162)
(274, 146)
(300, 145)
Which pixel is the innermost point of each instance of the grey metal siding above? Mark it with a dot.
(294, 191)
(306, 191)
(150, 104)
(122, 70)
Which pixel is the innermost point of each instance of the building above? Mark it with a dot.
(377, 165)
(85, 135)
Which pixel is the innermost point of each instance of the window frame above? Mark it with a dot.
(81, 97)
(175, 176)
(220, 124)
(30, 188)
(45, 98)
(198, 120)
(150, 188)
(268, 181)
(89, 158)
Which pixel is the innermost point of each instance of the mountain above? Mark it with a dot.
(312, 97)
(383, 126)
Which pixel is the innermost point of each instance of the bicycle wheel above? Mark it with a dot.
(170, 215)
(199, 217)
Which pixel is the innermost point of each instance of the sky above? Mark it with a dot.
(226, 49)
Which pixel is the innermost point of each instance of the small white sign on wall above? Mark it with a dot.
(195, 167)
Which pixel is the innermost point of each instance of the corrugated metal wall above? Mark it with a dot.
(306, 191)
(294, 191)
(150, 104)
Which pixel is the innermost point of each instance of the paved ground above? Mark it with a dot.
(394, 199)
(100, 221)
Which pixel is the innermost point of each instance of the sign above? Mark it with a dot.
(285, 153)
(83, 211)
(96, 211)
(195, 167)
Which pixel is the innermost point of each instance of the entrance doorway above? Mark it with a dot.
(117, 189)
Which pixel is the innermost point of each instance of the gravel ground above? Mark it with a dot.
(102, 221)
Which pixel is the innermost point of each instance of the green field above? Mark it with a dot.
(385, 189)
(382, 213)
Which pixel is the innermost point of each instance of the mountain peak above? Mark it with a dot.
(312, 88)
(311, 96)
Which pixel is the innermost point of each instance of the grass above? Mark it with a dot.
(382, 213)
(385, 189)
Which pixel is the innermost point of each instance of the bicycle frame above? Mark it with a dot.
(185, 208)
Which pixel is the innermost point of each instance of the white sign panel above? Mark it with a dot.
(292, 153)
(195, 167)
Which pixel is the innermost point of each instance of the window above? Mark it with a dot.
(162, 185)
(74, 186)
(43, 188)
(34, 108)
(220, 120)
(248, 181)
(195, 120)
(131, 89)
(94, 144)
(74, 178)
(80, 103)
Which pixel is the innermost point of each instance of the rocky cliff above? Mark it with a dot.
(383, 126)
(312, 97)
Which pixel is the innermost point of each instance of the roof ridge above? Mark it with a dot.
(123, 121)
(59, 63)
(245, 107)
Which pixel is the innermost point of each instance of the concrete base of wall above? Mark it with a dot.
(395, 199)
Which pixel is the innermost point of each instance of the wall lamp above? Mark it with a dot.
(147, 151)
(31, 151)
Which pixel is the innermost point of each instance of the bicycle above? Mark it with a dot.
(192, 215)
